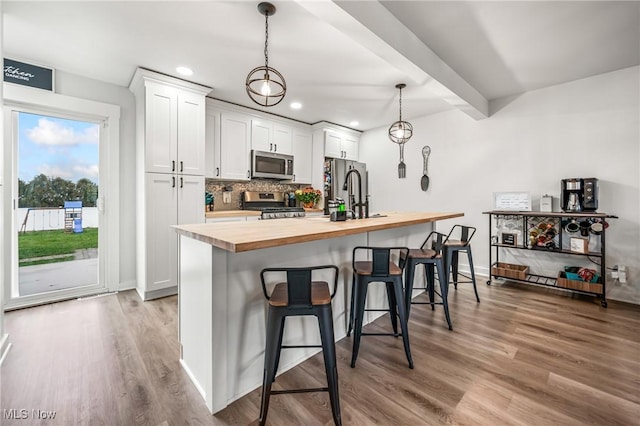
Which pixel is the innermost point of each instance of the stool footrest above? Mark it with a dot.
(376, 310)
(299, 346)
(299, 391)
(427, 303)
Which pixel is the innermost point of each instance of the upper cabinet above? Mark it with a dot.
(271, 137)
(228, 143)
(173, 135)
(302, 156)
(340, 144)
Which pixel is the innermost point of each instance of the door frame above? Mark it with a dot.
(25, 99)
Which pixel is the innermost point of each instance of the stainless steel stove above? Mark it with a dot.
(273, 205)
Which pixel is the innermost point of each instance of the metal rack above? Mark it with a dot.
(593, 289)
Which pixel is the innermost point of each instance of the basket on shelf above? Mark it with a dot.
(591, 287)
(508, 270)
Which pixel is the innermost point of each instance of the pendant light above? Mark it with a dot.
(401, 131)
(265, 85)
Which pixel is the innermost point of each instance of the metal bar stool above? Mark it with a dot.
(432, 259)
(299, 295)
(380, 269)
(451, 249)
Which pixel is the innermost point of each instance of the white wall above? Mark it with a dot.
(585, 128)
(86, 88)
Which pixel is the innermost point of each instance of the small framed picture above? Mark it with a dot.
(579, 245)
(509, 239)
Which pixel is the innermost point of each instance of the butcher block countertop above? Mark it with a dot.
(238, 237)
(231, 213)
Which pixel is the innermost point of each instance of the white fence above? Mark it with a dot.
(48, 219)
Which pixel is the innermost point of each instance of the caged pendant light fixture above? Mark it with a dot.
(401, 131)
(265, 85)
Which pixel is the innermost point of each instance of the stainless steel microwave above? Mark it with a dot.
(271, 165)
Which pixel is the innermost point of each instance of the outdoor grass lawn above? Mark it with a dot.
(52, 243)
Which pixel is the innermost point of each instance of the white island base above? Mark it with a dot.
(223, 309)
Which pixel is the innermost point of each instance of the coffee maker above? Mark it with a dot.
(579, 194)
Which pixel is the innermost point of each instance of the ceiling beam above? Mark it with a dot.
(375, 28)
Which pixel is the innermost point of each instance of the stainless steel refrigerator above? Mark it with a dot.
(335, 170)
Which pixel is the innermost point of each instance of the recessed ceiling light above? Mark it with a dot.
(353, 123)
(184, 71)
(296, 105)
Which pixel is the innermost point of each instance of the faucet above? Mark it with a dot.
(360, 204)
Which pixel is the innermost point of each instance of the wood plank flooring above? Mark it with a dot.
(523, 356)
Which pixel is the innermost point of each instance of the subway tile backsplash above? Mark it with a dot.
(238, 187)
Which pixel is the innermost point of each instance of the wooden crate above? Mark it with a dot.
(578, 285)
(508, 270)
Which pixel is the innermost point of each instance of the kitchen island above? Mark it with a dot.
(222, 308)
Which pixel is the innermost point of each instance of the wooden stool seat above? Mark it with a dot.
(320, 294)
(456, 243)
(423, 254)
(366, 268)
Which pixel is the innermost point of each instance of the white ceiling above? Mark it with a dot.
(341, 60)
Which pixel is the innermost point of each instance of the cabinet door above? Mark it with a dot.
(350, 147)
(282, 139)
(161, 134)
(261, 138)
(333, 144)
(190, 199)
(191, 128)
(212, 141)
(161, 239)
(235, 146)
(302, 156)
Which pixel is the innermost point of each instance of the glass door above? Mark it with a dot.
(56, 222)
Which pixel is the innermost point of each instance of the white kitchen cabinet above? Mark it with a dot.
(282, 139)
(171, 199)
(170, 168)
(271, 137)
(173, 130)
(340, 145)
(233, 147)
(333, 145)
(302, 156)
(261, 135)
(350, 147)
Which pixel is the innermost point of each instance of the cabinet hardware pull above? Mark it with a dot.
(181, 183)
(249, 174)
(173, 181)
(276, 147)
(294, 178)
(173, 165)
(270, 147)
(181, 166)
(217, 171)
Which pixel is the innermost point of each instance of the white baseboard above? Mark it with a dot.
(157, 294)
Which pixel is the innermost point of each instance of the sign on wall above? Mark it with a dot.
(28, 75)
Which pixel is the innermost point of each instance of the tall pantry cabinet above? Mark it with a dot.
(170, 169)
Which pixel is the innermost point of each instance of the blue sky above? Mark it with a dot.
(57, 147)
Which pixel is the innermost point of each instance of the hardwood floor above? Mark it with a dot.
(523, 356)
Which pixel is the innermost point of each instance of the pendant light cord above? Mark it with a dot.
(266, 40)
(400, 104)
